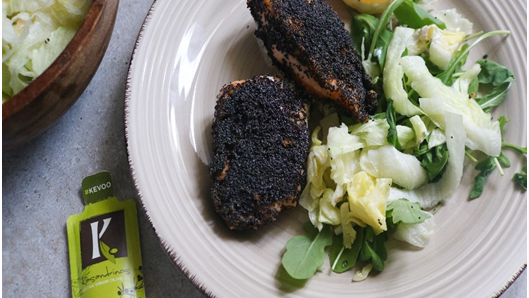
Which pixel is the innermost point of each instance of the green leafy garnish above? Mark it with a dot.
(493, 73)
(412, 15)
(496, 76)
(433, 160)
(374, 249)
(363, 27)
(306, 253)
(391, 116)
(485, 167)
(405, 211)
(341, 258)
(383, 22)
(521, 178)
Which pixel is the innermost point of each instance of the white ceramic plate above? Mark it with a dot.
(186, 51)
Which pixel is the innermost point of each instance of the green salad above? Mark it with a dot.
(390, 175)
(34, 33)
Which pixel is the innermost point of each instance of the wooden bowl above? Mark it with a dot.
(38, 106)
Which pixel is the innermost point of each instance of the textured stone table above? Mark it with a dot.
(42, 180)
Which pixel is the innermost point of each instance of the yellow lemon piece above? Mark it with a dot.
(369, 6)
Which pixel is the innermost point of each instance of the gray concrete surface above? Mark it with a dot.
(41, 184)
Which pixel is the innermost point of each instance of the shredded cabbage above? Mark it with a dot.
(333, 171)
(440, 44)
(362, 274)
(419, 127)
(387, 162)
(34, 33)
(367, 198)
(372, 133)
(444, 44)
(482, 133)
(454, 21)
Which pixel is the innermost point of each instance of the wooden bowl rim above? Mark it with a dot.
(40, 83)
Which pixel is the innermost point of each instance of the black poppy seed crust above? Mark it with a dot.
(311, 32)
(260, 150)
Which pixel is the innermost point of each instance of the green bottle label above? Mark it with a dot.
(104, 246)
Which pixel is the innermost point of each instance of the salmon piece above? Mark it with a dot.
(308, 43)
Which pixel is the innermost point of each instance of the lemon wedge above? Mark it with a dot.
(369, 6)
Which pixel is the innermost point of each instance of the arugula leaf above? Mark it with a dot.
(374, 249)
(414, 16)
(521, 178)
(383, 22)
(381, 46)
(502, 120)
(456, 64)
(405, 211)
(498, 78)
(495, 97)
(504, 160)
(473, 87)
(391, 116)
(434, 161)
(518, 178)
(341, 258)
(485, 167)
(363, 29)
(493, 73)
(306, 253)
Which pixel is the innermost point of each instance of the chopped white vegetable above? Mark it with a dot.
(367, 198)
(463, 82)
(437, 137)
(373, 133)
(416, 234)
(421, 132)
(349, 234)
(405, 170)
(361, 275)
(437, 99)
(454, 21)
(443, 46)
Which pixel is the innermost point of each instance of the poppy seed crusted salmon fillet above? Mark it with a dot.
(307, 41)
(260, 150)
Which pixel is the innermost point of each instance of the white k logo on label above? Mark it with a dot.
(96, 253)
(103, 238)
